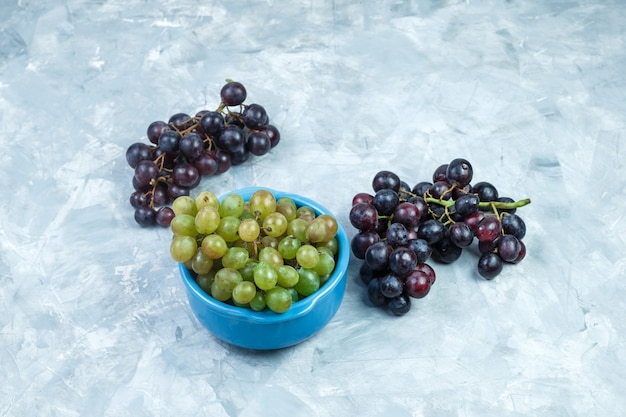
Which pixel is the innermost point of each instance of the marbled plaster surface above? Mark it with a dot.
(93, 316)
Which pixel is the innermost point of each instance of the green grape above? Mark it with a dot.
(275, 224)
(244, 292)
(332, 224)
(235, 258)
(214, 246)
(249, 230)
(326, 264)
(219, 293)
(287, 276)
(232, 205)
(324, 249)
(183, 248)
(308, 282)
(207, 220)
(228, 228)
(205, 282)
(288, 246)
(200, 264)
(265, 276)
(332, 245)
(247, 272)
(184, 224)
(258, 302)
(227, 279)
(278, 299)
(207, 199)
(306, 213)
(307, 256)
(269, 242)
(297, 228)
(262, 203)
(294, 295)
(184, 205)
(317, 231)
(271, 256)
(287, 207)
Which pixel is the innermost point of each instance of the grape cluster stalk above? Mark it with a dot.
(186, 148)
(400, 229)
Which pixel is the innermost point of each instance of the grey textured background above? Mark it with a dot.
(93, 316)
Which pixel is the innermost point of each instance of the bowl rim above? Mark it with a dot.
(297, 309)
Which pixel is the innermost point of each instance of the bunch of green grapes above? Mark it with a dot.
(264, 253)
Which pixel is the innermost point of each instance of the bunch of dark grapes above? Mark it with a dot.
(186, 148)
(400, 228)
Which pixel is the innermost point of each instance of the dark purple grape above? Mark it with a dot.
(417, 284)
(373, 292)
(186, 175)
(174, 191)
(488, 245)
(233, 93)
(386, 180)
(485, 191)
(155, 130)
(509, 248)
(145, 172)
(254, 116)
(421, 248)
(206, 164)
(212, 123)
(512, 224)
(139, 199)
(402, 261)
(231, 139)
(459, 172)
(138, 152)
(522, 253)
(366, 274)
(466, 204)
(431, 231)
(391, 285)
(408, 214)
(440, 173)
(165, 159)
(421, 188)
(489, 265)
(258, 143)
(144, 188)
(239, 156)
(234, 119)
(363, 216)
(473, 219)
(191, 146)
(385, 201)
(223, 161)
(421, 205)
(428, 270)
(399, 305)
(145, 216)
(168, 141)
(441, 189)
(461, 234)
(361, 241)
(180, 121)
(397, 235)
(377, 256)
(160, 195)
(272, 133)
(363, 198)
(445, 251)
(488, 229)
(164, 216)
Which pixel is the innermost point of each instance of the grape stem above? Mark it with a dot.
(483, 204)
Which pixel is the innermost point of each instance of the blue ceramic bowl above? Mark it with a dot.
(266, 330)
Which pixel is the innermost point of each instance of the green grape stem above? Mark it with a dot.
(483, 204)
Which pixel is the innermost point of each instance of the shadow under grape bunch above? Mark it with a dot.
(186, 148)
(401, 227)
